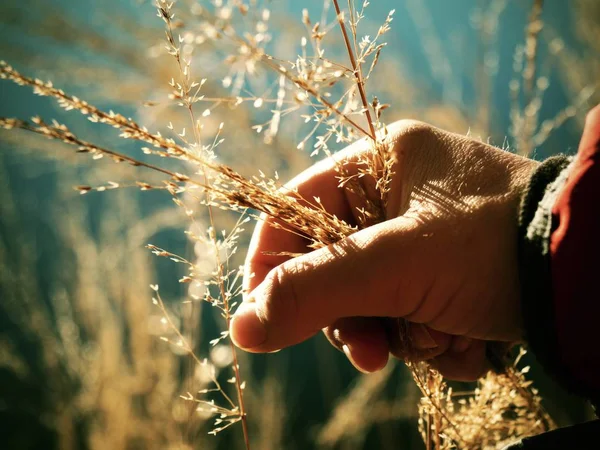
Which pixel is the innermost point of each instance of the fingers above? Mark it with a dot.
(464, 360)
(363, 340)
(366, 343)
(357, 277)
(456, 357)
(320, 180)
(414, 341)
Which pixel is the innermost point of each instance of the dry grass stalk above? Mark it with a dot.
(502, 408)
(528, 87)
(185, 87)
(230, 188)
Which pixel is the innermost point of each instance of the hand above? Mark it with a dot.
(445, 259)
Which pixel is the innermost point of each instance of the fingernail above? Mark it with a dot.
(422, 340)
(247, 330)
(348, 354)
(461, 344)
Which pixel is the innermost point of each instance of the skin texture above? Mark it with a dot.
(445, 259)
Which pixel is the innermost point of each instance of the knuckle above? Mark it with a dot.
(415, 145)
(282, 299)
(406, 130)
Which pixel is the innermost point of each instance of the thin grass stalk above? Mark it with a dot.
(268, 60)
(330, 106)
(184, 73)
(531, 47)
(356, 68)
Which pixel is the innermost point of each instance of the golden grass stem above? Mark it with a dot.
(531, 47)
(224, 296)
(319, 98)
(356, 69)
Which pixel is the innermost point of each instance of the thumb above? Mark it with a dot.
(359, 276)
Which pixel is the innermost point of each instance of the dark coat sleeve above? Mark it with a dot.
(575, 264)
(560, 264)
(578, 437)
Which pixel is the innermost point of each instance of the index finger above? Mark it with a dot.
(269, 245)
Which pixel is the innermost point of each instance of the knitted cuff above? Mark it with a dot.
(535, 228)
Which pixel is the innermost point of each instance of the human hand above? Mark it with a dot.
(445, 259)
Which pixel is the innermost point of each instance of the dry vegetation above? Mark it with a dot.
(127, 384)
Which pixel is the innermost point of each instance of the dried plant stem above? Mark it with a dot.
(129, 128)
(315, 224)
(313, 92)
(236, 369)
(541, 412)
(356, 69)
(422, 384)
(433, 424)
(531, 47)
(527, 118)
(62, 133)
(190, 351)
(268, 60)
(186, 88)
(225, 297)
